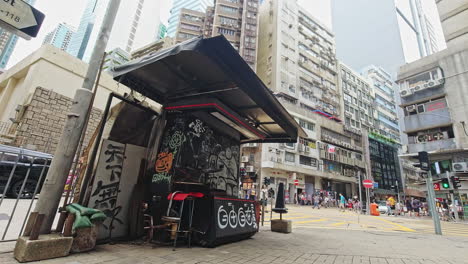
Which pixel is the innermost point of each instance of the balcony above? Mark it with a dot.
(439, 117)
(432, 145)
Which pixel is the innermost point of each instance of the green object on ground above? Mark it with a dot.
(84, 216)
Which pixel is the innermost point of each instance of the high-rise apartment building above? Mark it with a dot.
(296, 60)
(60, 37)
(358, 98)
(134, 21)
(114, 58)
(385, 33)
(237, 20)
(386, 111)
(8, 43)
(177, 5)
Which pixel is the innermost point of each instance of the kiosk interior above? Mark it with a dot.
(212, 102)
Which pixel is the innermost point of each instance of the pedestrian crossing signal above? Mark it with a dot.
(445, 184)
(455, 182)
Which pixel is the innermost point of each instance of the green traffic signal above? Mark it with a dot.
(445, 184)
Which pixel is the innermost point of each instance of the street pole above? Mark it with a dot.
(360, 191)
(52, 189)
(431, 203)
(452, 197)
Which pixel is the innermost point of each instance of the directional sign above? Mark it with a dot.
(20, 18)
(368, 183)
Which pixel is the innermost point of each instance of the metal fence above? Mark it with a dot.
(22, 173)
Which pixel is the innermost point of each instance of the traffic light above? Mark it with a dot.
(455, 182)
(445, 184)
(266, 181)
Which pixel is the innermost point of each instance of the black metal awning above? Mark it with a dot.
(210, 68)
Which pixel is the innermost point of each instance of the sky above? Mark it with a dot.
(69, 11)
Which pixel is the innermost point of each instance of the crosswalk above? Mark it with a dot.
(303, 217)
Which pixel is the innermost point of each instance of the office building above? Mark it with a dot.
(296, 60)
(130, 31)
(162, 30)
(196, 5)
(8, 43)
(385, 33)
(60, 37)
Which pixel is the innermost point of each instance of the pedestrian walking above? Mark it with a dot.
(316, 202)
(342, 202)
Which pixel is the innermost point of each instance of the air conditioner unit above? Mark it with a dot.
(242, 165)
(419, 88)
(405, 93)
(306, 149)
(249, 169)
(300, 147)
(245, 159)
(411, 108)
(460, 167)
(441, 81)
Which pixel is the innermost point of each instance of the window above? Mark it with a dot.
(307, 125)
(226, 31)
(227, 21)
(289, 157)
(290, 145)
(190, 27)
(228, 9)
(308, 161)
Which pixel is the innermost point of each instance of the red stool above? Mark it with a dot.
(181, 197)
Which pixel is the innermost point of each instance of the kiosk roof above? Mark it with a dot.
(210, 68)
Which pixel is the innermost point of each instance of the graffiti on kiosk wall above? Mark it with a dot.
(193, 152)
(234, 216)
(106, 191)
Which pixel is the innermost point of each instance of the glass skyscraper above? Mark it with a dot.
(80, 39)
(60, 37)
(135, 25)
(197, 5)
(8, 43)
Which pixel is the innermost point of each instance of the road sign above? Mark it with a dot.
(376, 185)
(296, 182)
(368, 183)
(20, 18)
(436, 186)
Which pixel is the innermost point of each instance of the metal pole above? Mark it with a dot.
(367, 201)
(431, 203)
(53, 186)
(452, 197)
(360, 189)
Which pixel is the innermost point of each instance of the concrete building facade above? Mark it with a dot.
(34, 108)
(434, 93)
(237, 20)
(60, 37)
(178, 5)
(296, 60)
(453, 15)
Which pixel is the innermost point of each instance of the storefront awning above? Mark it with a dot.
(211, 68)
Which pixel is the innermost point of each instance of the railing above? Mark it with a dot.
(22, 173)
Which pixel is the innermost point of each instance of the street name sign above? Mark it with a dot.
(368, 183)
(20, 18)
